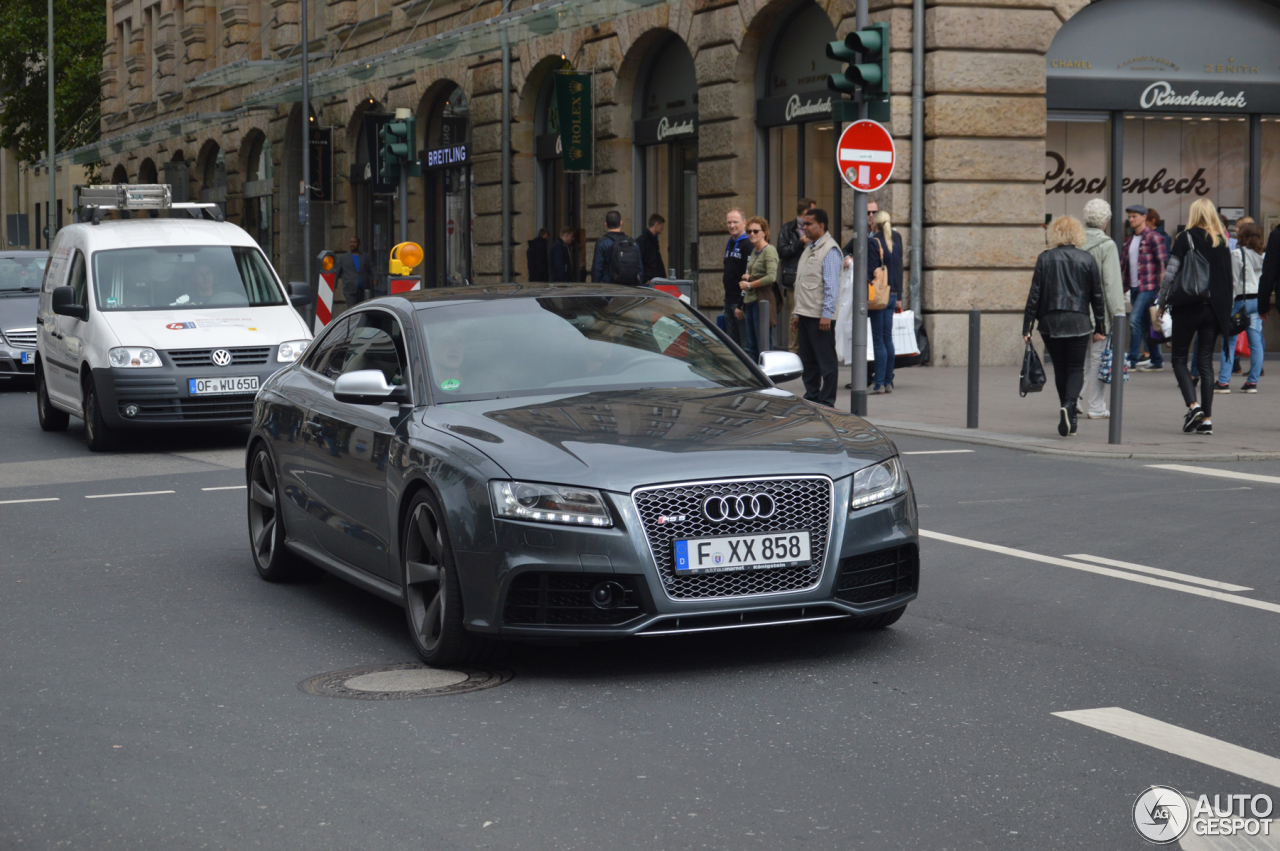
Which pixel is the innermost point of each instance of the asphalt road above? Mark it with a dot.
(149, 680)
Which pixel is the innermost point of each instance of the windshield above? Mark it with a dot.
(529, 346)
(21, 274)
(183, 277)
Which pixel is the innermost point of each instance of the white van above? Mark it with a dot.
(164, 322)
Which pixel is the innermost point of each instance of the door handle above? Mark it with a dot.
(312, 426)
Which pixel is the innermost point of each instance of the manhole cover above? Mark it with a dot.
(390, 682)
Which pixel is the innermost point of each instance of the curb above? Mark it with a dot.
(1027, 444)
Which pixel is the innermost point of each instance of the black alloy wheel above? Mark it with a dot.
(266, 528)
(432, 595)
(97, 434)
(51, 419)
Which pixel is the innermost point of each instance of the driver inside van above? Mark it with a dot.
(204, 289)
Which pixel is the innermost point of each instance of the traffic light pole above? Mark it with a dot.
(404, 205)
(858, 368)
(304, 197)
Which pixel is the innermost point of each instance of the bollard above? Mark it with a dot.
(975, 362)
(1119, 355)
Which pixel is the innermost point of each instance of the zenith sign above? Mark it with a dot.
(865, 155)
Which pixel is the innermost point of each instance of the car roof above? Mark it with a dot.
(424, 299)
(146, 232)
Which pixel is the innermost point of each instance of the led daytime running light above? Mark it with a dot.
(550, 504)
(877, 483)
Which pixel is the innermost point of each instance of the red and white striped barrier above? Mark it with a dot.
(405, 283)
(324, 301)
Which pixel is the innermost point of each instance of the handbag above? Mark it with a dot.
(878, 289)
(1239, 322)
(1242, 346)
(1191, 284)
(1032, 379)
(1105, 365)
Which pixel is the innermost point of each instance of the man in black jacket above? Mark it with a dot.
(1267, 284)
(791, 243)
(650, 250)
(736, 253)
(562, 270)
(536, 257)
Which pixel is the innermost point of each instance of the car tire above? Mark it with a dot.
(273, 560)
(97, 434)
(51, 419)
(432, 593)
(870, 622)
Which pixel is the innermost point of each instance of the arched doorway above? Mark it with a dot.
(559, 195)
(147, 171)
(666, 132)
(447, 184)
(119, 175)
(373, 201)
(258, 191)
(213, 177)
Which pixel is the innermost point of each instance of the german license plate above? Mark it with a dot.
(28, 357)
(741, 552)
(218, 386)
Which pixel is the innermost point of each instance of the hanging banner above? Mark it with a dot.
(577, 138)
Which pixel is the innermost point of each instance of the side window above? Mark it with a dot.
(76, 280)
(376, 343)
(319, 355)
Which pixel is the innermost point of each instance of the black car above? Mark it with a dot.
(567, 461)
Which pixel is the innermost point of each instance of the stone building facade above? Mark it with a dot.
(701, 106)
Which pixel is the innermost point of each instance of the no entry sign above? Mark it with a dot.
(865, 155)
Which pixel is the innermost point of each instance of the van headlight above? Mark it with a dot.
(130, 358)
(291, 351)
(550, 504)
(878, 483)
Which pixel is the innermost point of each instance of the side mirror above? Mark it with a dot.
(63, 301)
(781, 366)
(368, 387)
(299, 294)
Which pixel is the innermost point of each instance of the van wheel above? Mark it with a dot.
(97, 434)
(51, 419)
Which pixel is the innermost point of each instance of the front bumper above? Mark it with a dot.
(543, 577)
(11, 365)
(164, 399)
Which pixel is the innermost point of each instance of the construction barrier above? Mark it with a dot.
(404, 283)
(324, 301)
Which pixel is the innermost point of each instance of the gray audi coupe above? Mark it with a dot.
(572, 461)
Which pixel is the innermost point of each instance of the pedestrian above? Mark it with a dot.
(1206, 318)
(536, 257)
(817, 284)
(1155, 223)
(357, 275)
(884, 248)
(736, 251)
(1142, 264)
(1066, 300)
(1097, 218)
(617, 258)
(560, 261)
(791, 243)
(650, 250)
(1246, 272)
(757, 283)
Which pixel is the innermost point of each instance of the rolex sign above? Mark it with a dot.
(577, 139)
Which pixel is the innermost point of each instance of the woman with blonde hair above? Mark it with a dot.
(884, 248)
(1066, 300)
(1208, 316)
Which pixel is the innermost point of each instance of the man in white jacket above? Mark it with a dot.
(1097, 217)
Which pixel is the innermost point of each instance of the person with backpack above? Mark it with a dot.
(736, 253)
(617, 258)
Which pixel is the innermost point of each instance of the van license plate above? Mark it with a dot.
(218, 386)
(741, 552)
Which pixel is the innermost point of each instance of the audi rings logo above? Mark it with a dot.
(749, 506)
(221, 357)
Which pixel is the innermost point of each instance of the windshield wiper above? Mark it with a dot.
(20, 290)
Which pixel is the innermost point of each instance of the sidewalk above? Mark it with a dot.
(931, 402)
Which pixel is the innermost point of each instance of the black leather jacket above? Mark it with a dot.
(789, 250)
(1066, 278)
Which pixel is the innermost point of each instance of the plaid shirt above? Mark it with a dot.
(1153, 256)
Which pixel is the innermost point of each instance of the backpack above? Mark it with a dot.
(624, 261)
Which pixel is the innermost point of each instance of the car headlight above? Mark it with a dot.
(877, 483)
(550, 504)
(291, 351)
(131, 358)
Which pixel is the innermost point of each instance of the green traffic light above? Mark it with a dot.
(871, 76)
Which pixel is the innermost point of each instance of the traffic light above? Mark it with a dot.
(398, 137)
(871, 75)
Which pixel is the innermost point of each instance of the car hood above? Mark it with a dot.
(199, 329)
(19, 311)
(621, 440)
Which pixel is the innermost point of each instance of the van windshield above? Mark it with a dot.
(183, 278)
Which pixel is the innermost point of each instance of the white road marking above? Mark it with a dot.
(1180, 742)
(109, 495)
(1106, 571)
(232, 488)
(1222, 474)
(17, 501)
(939, 452)
(1155, 571)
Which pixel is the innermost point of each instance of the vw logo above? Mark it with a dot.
(750, 506)
(221, 357)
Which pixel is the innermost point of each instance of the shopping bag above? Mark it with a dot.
(1108, 358)
(904, 334)
(1032, 379)
(1157, 327)
(844, 317)
(1242, 346)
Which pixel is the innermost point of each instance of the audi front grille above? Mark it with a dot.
(800, 503)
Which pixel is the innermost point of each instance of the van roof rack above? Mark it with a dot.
(126, 198)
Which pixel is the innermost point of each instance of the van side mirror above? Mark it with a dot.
(63, 301)
(299, 294)
(368, 387)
